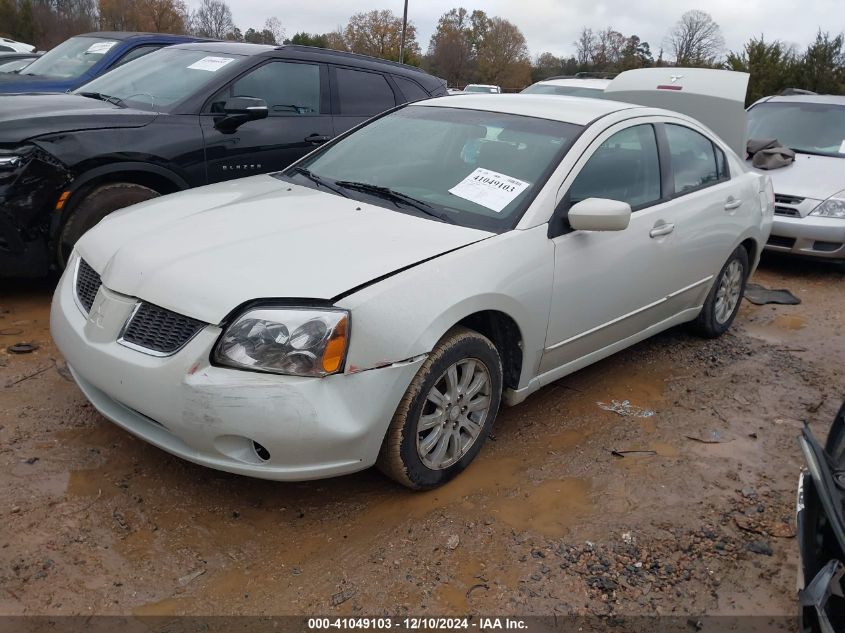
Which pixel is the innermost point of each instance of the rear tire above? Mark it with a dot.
(96, 205)
(446, 414)
(723, 301)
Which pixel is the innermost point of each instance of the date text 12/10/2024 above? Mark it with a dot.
(415, 624)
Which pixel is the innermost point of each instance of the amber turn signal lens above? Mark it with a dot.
(335, 348)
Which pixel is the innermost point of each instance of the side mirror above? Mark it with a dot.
(240, 110)
(600, 214)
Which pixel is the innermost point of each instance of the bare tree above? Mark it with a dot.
(213, 19)
(274, 26)
(585, 46)
(696, 40)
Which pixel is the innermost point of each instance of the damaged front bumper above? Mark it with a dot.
(821, 530)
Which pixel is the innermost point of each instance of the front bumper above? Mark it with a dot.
(214, 416)
(810, 236)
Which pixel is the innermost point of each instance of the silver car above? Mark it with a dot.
(810, 193)
(375, 302)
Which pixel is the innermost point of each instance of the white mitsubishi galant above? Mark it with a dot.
(375, 302)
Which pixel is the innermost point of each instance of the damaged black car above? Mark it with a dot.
(821, 530)
(181, 117)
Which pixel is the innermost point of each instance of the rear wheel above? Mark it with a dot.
(446, 413)
(96, 205)
(722, 303)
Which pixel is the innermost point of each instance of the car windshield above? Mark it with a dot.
(142, 84)
(70, 59)
(472, 88)
(566, 91)
(469, 167)
(811, 128)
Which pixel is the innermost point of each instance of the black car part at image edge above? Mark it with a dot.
(821, 530)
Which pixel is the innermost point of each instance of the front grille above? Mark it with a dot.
(793, 213)
(785, 199)
(87, 284)
(160, 331)
(785, 242)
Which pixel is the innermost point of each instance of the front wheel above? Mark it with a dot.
(722, 303)
(446, 413)
(96, 205)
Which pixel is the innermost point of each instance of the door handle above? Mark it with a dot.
(661, 229)
(732, 204)
(316, 139)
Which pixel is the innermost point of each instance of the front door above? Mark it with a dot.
(609, 286)
(299, 120)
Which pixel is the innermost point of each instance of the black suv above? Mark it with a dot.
(181, 117)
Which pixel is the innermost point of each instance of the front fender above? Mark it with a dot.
(405, 315)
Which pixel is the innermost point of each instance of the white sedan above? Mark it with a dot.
(376, 301)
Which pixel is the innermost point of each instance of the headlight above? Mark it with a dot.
(10, 161)
(293, 341)
(833, 207)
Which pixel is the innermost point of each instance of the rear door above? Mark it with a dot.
(299, 120)
(358, 95)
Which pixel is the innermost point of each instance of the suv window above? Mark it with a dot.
(135, 53)
(290, 89)
(410, 88)
(363, 93)
(693, 159)
(625, 167)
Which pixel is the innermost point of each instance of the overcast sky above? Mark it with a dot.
(552, 25)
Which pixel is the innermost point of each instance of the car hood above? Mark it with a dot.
(204, 252)
(25, 116)
(810, 176)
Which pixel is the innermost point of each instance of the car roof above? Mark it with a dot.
(831, 99)
(583, 82)
(577, 110)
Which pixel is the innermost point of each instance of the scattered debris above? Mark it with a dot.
(11, 331)
(342, 596)
(776, 529)
(484, 586)
(30, 460)
(715, 437)
(624, 453)
(626, 409)
(760, 547)
(33, 374)
(188, 578)
(759, 295)
(22, 348)
(453, 541)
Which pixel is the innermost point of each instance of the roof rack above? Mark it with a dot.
(332, 51)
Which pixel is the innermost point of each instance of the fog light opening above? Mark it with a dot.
(263, 453)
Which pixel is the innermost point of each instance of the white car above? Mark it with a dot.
(592, 87)
(809, 193)
(11, 46)
(374, 302)
(482, 88)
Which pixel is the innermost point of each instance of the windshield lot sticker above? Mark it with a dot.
(489, 189)
(211, 64)
(98, 48)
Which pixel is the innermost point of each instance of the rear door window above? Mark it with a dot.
(363, 93)
(693, 158)
(410, 89)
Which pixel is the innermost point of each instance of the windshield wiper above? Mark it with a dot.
(813, 152)
(394, 196)
(317, 180)
(107, 98)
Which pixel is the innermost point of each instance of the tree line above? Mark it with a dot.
(466, 47)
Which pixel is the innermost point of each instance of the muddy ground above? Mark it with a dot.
(547, 520)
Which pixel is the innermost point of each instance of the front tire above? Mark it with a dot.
(723, 300)
(96, 205)
(446, 414)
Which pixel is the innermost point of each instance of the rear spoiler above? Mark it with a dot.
(716, 98)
